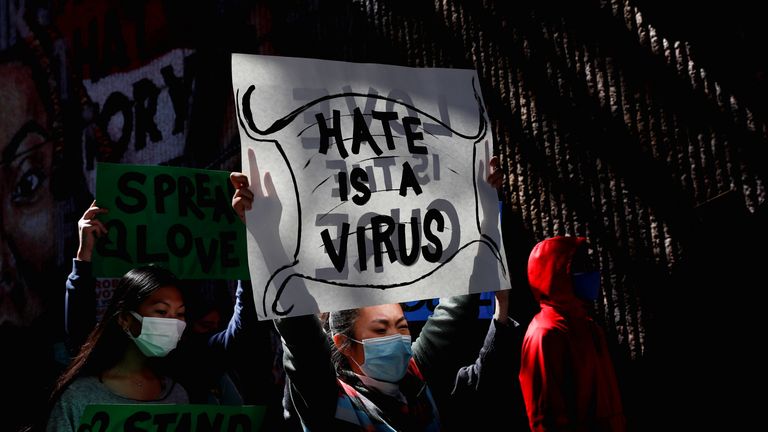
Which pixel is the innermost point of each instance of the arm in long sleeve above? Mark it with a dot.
(312, 379)
(490, 384)
(543, 380)
(79, 304)
(447, 333)
(438, 348)
(242, 323)
(495, 361)
(245, 347)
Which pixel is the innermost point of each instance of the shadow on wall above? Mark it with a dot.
(703, 362)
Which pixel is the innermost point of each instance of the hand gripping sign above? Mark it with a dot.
(368, 184)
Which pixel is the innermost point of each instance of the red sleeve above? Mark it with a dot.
(542, 379)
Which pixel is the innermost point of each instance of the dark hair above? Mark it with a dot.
(343, 324)
(106, 344)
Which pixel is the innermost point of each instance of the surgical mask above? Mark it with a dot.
(586, 285)
(159, 336)
(387, 357)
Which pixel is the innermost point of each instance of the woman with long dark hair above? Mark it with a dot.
(121, 360)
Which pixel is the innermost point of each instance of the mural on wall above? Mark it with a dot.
(83, 82)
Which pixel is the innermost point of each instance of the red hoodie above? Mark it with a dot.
(566, 372)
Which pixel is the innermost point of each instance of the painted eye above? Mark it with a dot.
(27, 186)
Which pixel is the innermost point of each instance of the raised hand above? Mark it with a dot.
(495, 174)
(489, 199)
(242, 201)
(89, 229)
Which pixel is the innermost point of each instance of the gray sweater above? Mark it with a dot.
(88, 390)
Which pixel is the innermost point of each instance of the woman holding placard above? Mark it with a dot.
(359, 370)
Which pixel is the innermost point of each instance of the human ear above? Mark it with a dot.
(125, 321)
(338, 341)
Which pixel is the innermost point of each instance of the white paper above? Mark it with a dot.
(277, 101)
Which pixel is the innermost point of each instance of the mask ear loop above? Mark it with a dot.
(352, 358)
(330, 330)
(358, 364)
(138, 317)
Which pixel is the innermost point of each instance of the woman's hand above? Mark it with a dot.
(242, 200)
(502, 306)
(495, 174)
(89, 229)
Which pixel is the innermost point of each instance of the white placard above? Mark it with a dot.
(404, 189)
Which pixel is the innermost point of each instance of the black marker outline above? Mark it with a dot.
(281, 123)
(349, 285)
(290, 169)
(246, 116)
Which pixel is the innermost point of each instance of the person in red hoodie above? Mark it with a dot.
(566, 373)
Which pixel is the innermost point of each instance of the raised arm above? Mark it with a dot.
(306, 348)
(494, 363)
(244, 328)
(80, 294)
(312, 379)
(441, 346)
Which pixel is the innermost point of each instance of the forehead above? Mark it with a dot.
(17, 89)
(390, 312)
(20, 101)
(166, 294)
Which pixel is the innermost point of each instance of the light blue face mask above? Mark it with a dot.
(586, 285)
(387, 357)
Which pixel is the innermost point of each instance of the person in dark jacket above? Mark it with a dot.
(566, 372)
(362, 372)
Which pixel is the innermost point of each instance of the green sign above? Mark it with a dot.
(171, 418)
(179, 218)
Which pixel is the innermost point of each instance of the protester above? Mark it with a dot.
(362, 372)
(121, 360)
(232, 363)
(566, 372)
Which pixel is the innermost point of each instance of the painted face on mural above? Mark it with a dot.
(26, 202)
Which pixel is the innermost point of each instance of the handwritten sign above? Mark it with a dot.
(180, 218)
(375, 190)
(170, 418)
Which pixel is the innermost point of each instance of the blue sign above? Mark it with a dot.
(423, 309)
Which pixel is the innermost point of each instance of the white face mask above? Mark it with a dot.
(159, 336)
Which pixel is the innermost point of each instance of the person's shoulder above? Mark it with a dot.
(73, 400)
(546, 322)
(82, 384)
(175, 392)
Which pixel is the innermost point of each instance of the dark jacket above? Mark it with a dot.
(438, 354)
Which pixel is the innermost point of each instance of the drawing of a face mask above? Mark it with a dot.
(377, 193)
